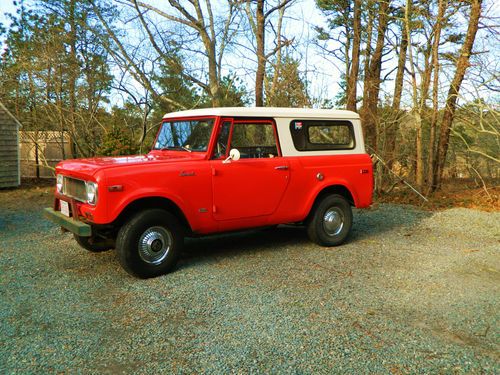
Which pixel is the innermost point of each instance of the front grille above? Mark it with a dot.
(74, 188)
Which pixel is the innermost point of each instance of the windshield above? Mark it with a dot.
(188, 135)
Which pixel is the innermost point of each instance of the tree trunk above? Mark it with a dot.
(347, 47)
(368, 52)
(261, 58)
(278, 62)
(213, 78)
(426, 76)
(391, 132)
(451, 100)
(431, 162)
(370, 103)
(419, 154)
(417, 105)
(73, 66)
(398, 84)
(353, 73)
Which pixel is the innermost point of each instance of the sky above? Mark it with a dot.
(6, 6)
(297, 25)
(322, 73)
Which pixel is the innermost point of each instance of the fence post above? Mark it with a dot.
(37, 161)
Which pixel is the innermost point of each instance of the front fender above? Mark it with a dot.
(116, 206)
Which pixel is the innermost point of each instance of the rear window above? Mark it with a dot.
(310, 135)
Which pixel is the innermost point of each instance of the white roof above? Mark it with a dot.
(273, 112)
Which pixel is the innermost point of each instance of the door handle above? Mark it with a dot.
(281, 167)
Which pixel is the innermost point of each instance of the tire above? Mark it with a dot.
(94, 245)
(148, 245)
(330, 221)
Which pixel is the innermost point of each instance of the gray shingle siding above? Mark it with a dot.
(9, 149)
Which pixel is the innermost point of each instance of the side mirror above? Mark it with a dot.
(234, 154)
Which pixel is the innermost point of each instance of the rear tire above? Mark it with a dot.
(93, 244)
(330, 221)
(148, 245)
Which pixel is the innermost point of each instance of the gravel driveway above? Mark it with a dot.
(412, 291)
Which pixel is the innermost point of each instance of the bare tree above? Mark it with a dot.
(372, 78)
(260, 22)
(417, 105)
(352, 81)
(126, 58)
(435, 91)
(428, 47)
(451, 101)
(345, 31)
(196, 22)
(392, 128)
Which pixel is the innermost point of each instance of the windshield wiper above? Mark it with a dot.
(176, 148)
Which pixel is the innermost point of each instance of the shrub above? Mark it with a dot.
(117, 142)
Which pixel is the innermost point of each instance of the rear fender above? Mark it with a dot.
(334, 186)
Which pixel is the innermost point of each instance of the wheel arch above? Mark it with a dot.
(145, 203)
(332, 189)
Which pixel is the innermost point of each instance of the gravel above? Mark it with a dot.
(411, 292)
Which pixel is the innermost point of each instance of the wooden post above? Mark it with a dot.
(37, 166)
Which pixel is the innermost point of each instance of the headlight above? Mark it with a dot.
(91, 188)
(59, 183)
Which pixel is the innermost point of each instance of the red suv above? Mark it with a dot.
(216, 170)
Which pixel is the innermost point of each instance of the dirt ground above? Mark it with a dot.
(412, 291)
(465, 193)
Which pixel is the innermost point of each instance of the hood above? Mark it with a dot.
(88, 167)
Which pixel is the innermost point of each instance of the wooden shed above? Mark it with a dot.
(10, 173)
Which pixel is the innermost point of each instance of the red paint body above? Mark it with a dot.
(216, 196)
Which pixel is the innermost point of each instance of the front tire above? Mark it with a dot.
(330, 221)
(148, 245)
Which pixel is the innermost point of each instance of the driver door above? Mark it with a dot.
(254, 185)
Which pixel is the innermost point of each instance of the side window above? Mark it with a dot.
(254, 140)
(222, 139)
(329, 135)
(311, 135)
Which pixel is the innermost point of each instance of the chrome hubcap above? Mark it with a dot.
(154, 245)
(333, 221)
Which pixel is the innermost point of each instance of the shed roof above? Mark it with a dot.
(2, 107)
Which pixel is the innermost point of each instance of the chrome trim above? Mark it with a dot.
(333, 221)
(66, 194)
(87, 184)
(154, 245)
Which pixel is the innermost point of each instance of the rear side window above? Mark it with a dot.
(310, 135)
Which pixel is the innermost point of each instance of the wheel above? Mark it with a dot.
(331, 221)
(148, 244)
(93, 244)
